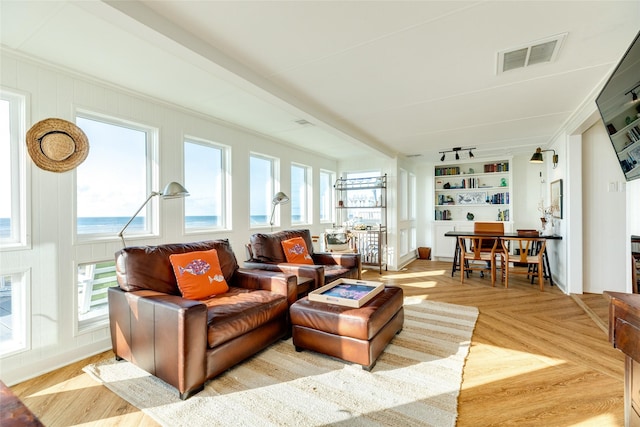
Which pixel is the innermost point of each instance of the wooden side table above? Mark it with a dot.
(624, 334)
(13, 412)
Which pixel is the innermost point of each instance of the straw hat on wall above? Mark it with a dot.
(57, 145)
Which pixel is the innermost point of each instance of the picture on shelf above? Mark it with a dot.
(472, 198)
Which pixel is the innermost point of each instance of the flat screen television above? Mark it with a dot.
(619, 106)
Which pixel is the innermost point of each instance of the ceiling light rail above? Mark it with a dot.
(634, 92)
(457, 151)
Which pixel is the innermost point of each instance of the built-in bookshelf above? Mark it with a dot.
(624, 130)
(466, 192)
(473, 191)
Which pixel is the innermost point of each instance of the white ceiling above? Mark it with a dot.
(391, 78)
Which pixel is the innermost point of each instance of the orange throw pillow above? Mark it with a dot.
(295, 250)
(199, 274)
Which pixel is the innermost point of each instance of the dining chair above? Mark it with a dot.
(530, 252)
(475, 253)
(488, 227)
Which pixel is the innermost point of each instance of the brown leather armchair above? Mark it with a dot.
(266, 253)
(186, 342)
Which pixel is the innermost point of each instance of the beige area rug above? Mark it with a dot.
(415, 382)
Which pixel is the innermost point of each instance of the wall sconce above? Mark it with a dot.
(173, 190)
(457, 151)
(537, 157)
(279, 199)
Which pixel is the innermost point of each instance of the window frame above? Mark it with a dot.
(25, 321)
(20, 170)
(98, 320)
(152, 178)
(305, 204)
(403, 194)
(225, 185)
(273, 187)
(412, 196)
(330, 209)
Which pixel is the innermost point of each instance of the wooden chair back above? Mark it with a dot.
(475, 252)
(530, 252)
(488, 227)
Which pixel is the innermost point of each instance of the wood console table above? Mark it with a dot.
(624, 334)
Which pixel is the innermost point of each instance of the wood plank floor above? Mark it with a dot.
(536, 359)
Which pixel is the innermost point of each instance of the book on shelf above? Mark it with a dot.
(444, 215)
(496, 167)
(633, 134)
(448, 170)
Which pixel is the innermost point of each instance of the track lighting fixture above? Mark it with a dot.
(634, 93)
(457, 151)
(537, 157)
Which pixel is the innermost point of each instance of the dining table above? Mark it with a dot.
(497, 235)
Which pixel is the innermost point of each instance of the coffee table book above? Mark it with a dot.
(347, 292)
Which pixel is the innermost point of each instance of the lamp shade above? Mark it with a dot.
(537, 156)
(173, 190)
(280, 198)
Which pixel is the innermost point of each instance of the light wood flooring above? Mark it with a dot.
(536, 359)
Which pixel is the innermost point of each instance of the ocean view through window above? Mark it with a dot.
(300, 185)
(205, 177)
(261, 189)
(116, 178)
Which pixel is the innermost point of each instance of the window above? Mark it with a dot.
(93, 281)
(205, 176)
(13, 223)
(13, 313)
(404, 242)
(403, 199)
(365, 198)
(300, 188)
(116, 179)
(412, 196)
(327, 180)
(261, 189)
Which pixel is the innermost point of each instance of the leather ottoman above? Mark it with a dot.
(356, 335)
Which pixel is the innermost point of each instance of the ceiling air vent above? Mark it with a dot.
(537, 52)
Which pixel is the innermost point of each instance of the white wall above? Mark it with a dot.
(53, 256)
(604, 215)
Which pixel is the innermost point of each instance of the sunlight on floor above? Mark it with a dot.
(598, 421)
(78, 382)
(414, 275)
(520, 363)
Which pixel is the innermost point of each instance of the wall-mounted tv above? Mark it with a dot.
(619, 106)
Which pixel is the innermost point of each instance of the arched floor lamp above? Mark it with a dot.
(172, 190)
(279, 199)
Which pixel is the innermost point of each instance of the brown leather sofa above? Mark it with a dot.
(266, 253)
(187, 342)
